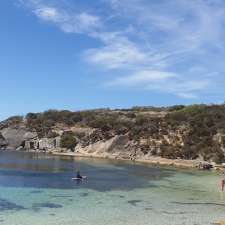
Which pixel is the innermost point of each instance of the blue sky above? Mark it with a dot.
(66, 54)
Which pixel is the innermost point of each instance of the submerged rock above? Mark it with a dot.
(47, 205)
(7, 205)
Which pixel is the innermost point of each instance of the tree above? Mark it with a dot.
(68, 141)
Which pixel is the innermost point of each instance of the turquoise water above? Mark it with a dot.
(38, 190)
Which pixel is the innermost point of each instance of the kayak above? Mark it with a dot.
(83, 177)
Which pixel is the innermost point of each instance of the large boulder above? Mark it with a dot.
(16, 137)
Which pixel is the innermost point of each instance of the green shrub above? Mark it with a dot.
(68, 141)
(201, 124)
(219, 158)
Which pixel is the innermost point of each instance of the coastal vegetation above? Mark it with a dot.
(186, 132)
(68, 141)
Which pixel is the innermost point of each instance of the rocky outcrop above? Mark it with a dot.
(117, 147)
(17, 137)
(111, 146)
(178, 132)
(3, 142)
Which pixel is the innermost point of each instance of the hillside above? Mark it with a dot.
(186, 132)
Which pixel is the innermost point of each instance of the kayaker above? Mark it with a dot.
(78, 175)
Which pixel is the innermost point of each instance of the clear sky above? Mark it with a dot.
(83, 54)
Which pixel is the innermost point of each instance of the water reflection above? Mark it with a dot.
(46, 171)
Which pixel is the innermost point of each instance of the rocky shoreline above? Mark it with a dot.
(176, 163)
(179, 163)
(174, 136)
(118, 147)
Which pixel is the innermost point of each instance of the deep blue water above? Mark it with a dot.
(38, 170)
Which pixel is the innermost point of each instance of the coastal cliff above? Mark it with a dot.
(141, 133)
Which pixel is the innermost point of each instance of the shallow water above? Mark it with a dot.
(38, 190)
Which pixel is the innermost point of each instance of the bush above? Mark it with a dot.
(14, 121)
(176, 108)
(68, 141)
(219, 158)
(169, 152)
(197, 125)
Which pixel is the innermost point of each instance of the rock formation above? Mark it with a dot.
(3, 142)
(186, 132)
(16, 137)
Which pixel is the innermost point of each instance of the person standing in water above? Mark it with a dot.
(222, 182)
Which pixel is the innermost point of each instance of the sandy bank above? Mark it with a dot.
(151, 160)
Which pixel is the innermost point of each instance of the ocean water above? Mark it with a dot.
(37, 189)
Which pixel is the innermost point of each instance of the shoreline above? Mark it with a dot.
(153, 160)
(177, 163)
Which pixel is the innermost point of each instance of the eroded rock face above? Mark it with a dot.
(186, 132)
(119, 147)
(3, 142)
(16, 137)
